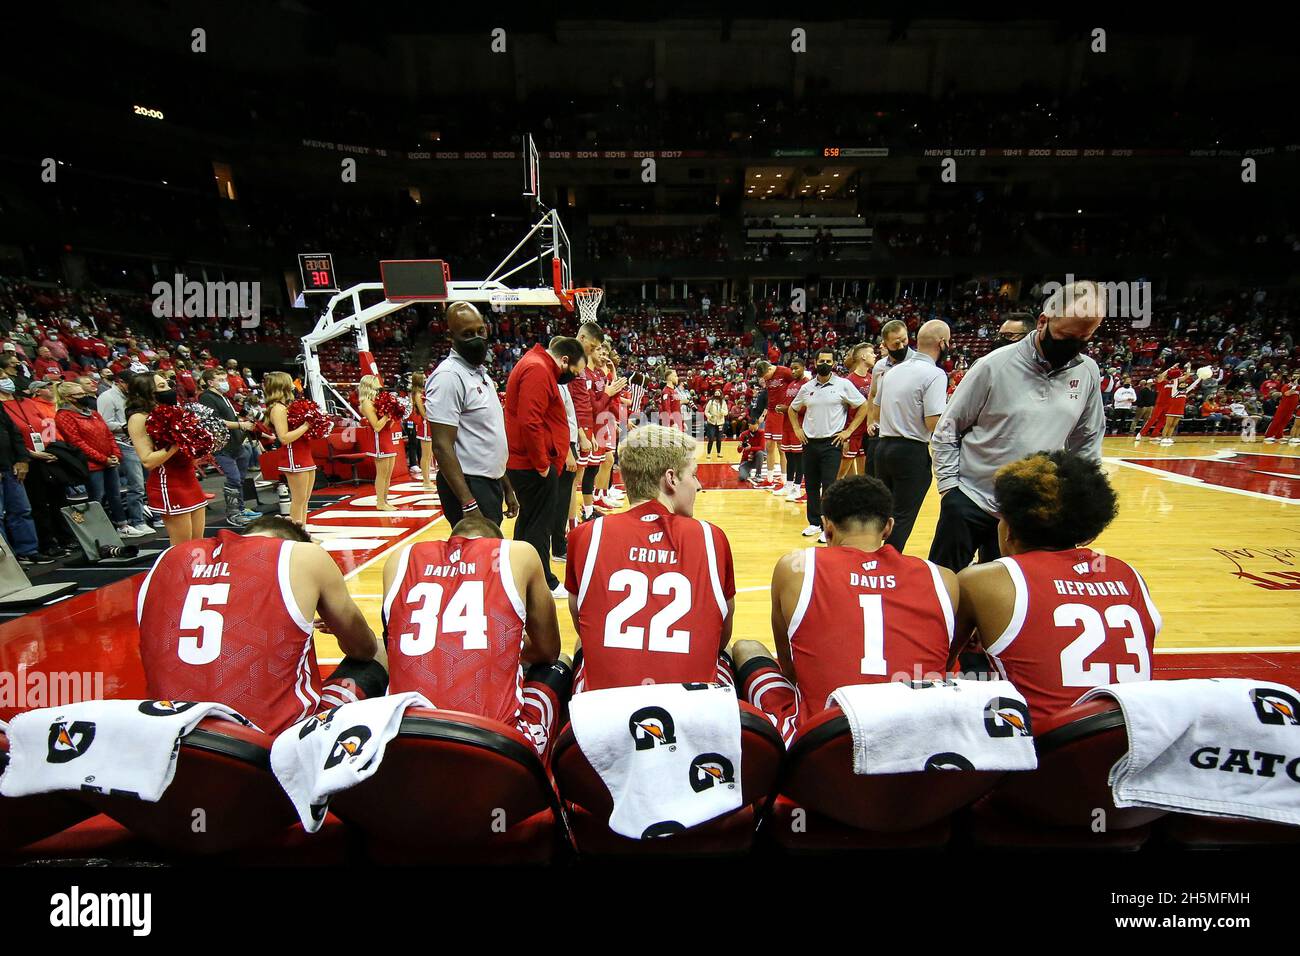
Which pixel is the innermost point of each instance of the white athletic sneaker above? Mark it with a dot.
(822, 538)
(131, 531)
(143, 529)
(811, 530)
(559, 593)
(1269, 441)
(782, 489)
(793, 492)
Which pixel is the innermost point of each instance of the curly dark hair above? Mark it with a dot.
(1055, 500)
(858, 499)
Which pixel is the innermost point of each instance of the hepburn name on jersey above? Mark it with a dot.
(1092, 588)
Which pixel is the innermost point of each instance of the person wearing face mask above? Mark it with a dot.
(111, 405)
(1122, 403)
(823, 431)
(715, 416)
(466, 426)
(233, 459)
(911, 400)
(173, 490)
(537, 439)
(895, 350)
(82, 427)
(1040, 394)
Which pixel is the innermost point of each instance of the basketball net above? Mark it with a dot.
(588, 302)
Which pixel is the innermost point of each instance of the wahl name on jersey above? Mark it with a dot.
(219, 570)
(1092, 588)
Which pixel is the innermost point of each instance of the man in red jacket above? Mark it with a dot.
(537, 437)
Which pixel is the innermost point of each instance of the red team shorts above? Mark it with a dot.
(774, 426)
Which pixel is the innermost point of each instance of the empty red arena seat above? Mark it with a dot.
(587, 802)
(455, 787)
(1067, 800)
(223, 770)
(25, 820)
(844, 810)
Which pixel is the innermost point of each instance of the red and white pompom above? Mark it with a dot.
(170, 425)
(306, 412)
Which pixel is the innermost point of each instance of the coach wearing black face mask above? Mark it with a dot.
(1038, 394)
(467, 425)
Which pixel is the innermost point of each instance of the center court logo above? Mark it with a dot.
(69, 740)
(712, 770)
(652, 727)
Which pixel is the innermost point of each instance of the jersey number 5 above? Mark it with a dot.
(206, 647)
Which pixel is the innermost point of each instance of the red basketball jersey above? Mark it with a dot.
(652, 591)
(866, 617)
(218, 622)
(776, 386)
(455, 627)
(1081, 620)
(863, 384)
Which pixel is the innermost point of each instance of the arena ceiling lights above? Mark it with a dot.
(793, 182)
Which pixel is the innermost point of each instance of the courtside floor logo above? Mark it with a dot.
(76, 909)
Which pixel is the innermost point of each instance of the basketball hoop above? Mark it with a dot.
(588, 302)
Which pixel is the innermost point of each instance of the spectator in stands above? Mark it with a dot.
(111, 404)
(82, 427)
(1122, 405)
(15, 507)
(34, 417)
(233, 458)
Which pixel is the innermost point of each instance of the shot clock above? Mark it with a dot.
(317, 269)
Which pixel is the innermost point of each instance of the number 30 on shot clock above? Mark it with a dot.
(317, 270)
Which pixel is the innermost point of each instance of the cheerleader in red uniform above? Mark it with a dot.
(171, 488)
(299, 469)
(377, 441)
(422, 434)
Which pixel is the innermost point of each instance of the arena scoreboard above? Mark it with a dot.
(407, 280)
(317, 269)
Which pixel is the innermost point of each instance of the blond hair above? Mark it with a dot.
(368, 388)
(277, 387)
(418, 380)
(648, 453)
(61, 390)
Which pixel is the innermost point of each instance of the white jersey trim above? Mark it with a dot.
(144, 588)
(508, 580)
(286, 588)
(1018, 612)
(403, 559)
(805, 592)
(1151, 607)
(710, 550)
(590, 565)
(945, 602)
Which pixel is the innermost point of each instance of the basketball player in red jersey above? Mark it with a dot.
(905, 606)
(229, 619)
(791, 446)
(651, 589)
(776, 378)
(464, 617)
(1056, 617)
(860, 360)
